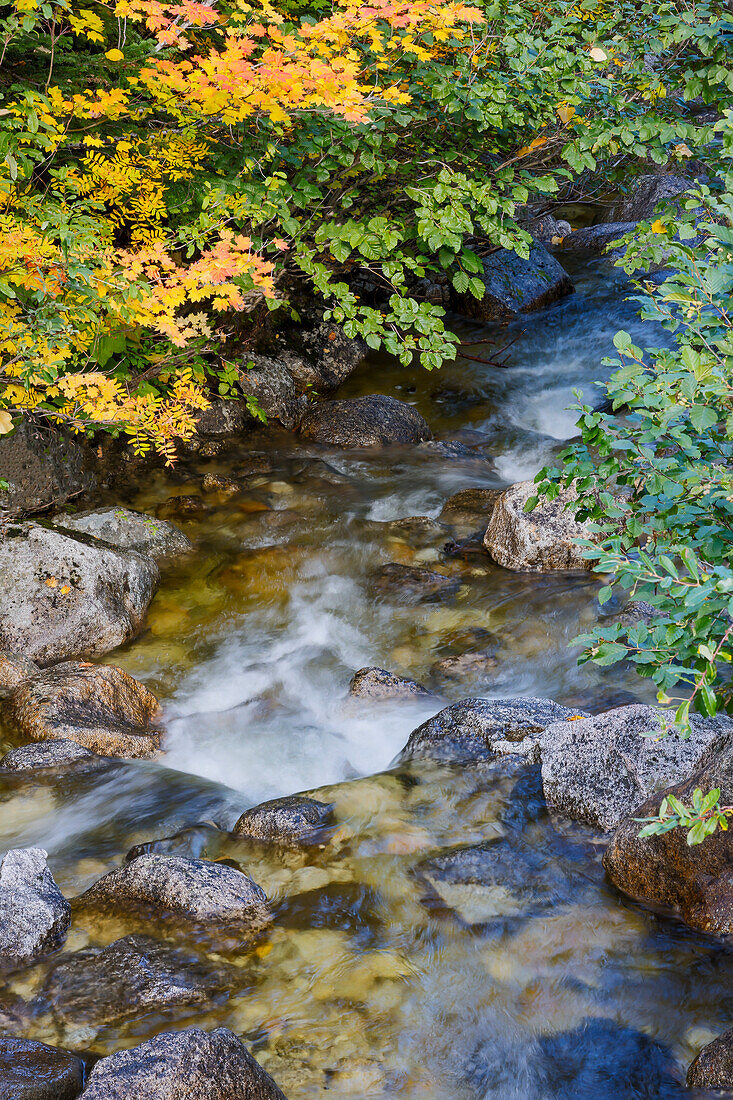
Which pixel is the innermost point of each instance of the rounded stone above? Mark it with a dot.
(34, 1071)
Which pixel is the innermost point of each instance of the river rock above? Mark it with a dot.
(412, 583)
(514, 285)
(174, 887)
(373, 421)
(463, 666)
(294, 821)
(541, 541)
(200, 841)
(325, 357)
(49, 754)
(14, 670)
(44, 468)
(713, 1067)
(126, 530)
(645, 193)
(223, 417)
(34, 914)
(132, 976)
(272, 385)
(34, 1071)
(378, 684)
(596, 238)
(546, 228)
(478, 728)
(195, 1064)
(603, 767)
(98, 706)
(470, 508)
(695, 882)
(66, 595)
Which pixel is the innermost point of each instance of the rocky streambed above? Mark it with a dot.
(312, 798)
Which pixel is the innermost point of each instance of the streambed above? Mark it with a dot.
(386, 973)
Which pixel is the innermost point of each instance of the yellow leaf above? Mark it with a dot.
(683, 150)
(658, 226)
(597, 54)
(115, 55)
(6, 423)
(565, 113)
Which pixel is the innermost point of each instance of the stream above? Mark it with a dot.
(378, 978)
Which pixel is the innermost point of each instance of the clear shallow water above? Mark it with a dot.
(374, 981)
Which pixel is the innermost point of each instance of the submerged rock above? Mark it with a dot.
(293, 821)
(713, 1067)
(195, 1064)
(694, 882)
(465, 666)
(541, 541)
(126, 530)
(470, 508)
(603, 767)
(49, 754)
(412, 584)
(514, 285)
(66, 595)
(98, 706)
(477, 728)
(44, 467)
(15, 669)
(174, 887)
(134, 975)
(34, 1071)
(373, 421)
(34, 914)
(379, 684)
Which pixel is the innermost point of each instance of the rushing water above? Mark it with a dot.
(378, 978)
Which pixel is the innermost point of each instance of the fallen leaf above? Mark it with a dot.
(51, 582)
(6, 423)
(597, 54)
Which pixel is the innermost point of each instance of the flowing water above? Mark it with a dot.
(382, 976)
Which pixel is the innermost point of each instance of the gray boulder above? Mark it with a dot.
(322, 356)
(377, 684)
(195, 1064)
(541, 541)
(34, 914)
(478, 728)
(14, 670)
(514, 285)
(99, 706)
(67, 595)
(596, 238)
(294, 821)
(132, 976)
(713, 1067)
(34, 1071)
(223, 418)
(43, 468)
(126, 530)
(645, 193)
(49, 754)
(373, 421)
(695, 882)
(272, 385)
(602, 768)
(175, 887)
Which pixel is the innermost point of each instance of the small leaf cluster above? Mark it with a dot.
(701, 819)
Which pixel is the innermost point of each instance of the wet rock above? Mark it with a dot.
(713, 1067)
(66, 595)
(637, 612)
(463, 666)
(294, 821)
(645, 193)
(34, 1071)
(14, 670)
(541, 541)
(514, 285)
(49, 754)
(272, 385)
(477, 728)
(546, 228)
(224, 418)
(417, 531)
(195, 1064)
(134, 975)
(379, 684)
(326, 355)
(34, 914)
(372, 421)
(470, 508)
(126, 530)
(694, 882)
(98, 706)
(600, 769)
(201, 841)
(217, 483)
(191, 889)
(596, 238)
(412, 584)
(44, 468)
